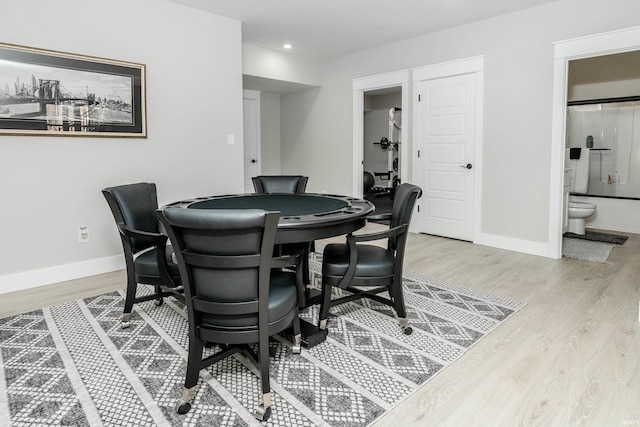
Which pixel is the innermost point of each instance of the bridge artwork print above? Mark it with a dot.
(44, 92)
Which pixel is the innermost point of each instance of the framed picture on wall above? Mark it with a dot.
(43, 92)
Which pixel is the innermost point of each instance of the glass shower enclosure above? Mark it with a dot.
(610, 128)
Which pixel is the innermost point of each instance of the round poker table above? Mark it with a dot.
(304, 217)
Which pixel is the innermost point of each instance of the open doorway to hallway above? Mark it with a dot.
(381, 146)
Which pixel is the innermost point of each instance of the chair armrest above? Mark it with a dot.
(355, 238)
(285, 261)
(380, 217)
(160, 241)
(159, 238)
(352, 241)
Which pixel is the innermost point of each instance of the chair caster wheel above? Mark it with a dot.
(182, 407)
(262, 413)
(297, 349)
(408, 330)
(125, 325)
(159, 302)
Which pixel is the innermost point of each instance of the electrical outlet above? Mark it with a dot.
(83, 234)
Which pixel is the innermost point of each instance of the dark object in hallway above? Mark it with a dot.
(382, 202)
(368, 182)
(382, 198)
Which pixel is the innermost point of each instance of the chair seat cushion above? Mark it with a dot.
(283, 298)
(373, 261)
(147, 264)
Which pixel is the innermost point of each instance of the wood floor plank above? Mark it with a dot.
(566, 359)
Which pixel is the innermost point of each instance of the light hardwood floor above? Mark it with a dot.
(569, 358)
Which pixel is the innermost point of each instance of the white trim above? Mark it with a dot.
(471, 65)
(381, 81)
(360, 86)
(447, 69)
(511, 244)
(583, 47)
(477, 182)
(558, 123)
(60, 273)
(358, 143)
(622, 40)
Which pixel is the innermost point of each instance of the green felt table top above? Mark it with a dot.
(288, 204)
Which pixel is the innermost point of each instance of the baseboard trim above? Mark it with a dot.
(59, 273)
(511, 244)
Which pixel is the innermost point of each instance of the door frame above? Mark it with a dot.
(365, 84)
(618, 41)
(473, 65)
(254, 95)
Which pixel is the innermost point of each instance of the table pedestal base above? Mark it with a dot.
(311, 334)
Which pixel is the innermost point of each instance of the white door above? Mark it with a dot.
(251, 122)
(446, 149)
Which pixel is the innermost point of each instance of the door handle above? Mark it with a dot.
(467, 166)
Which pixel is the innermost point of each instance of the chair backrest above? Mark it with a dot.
(282, 184)
(224, 258)
(135, 205)
(403, 203)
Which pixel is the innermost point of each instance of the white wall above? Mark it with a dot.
(280, 71)
(269, 64)
(51, 186)
(519, 56)
(270, 133)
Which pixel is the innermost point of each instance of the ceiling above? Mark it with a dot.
(326, 29)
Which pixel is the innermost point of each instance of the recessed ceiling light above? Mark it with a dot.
(287, 45)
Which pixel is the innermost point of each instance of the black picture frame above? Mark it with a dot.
(44, 92)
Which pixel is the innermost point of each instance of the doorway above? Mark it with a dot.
(565, 51)
(251, 131)
(382, 140)
(392, 82)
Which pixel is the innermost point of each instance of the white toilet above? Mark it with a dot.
(579, 211)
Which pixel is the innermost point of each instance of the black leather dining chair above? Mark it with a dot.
(287, 184)
(146, 253)
(367, 270)
(236, 293)
(280, 184)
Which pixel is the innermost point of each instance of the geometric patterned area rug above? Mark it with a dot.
(72, 364)
(586, 250)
